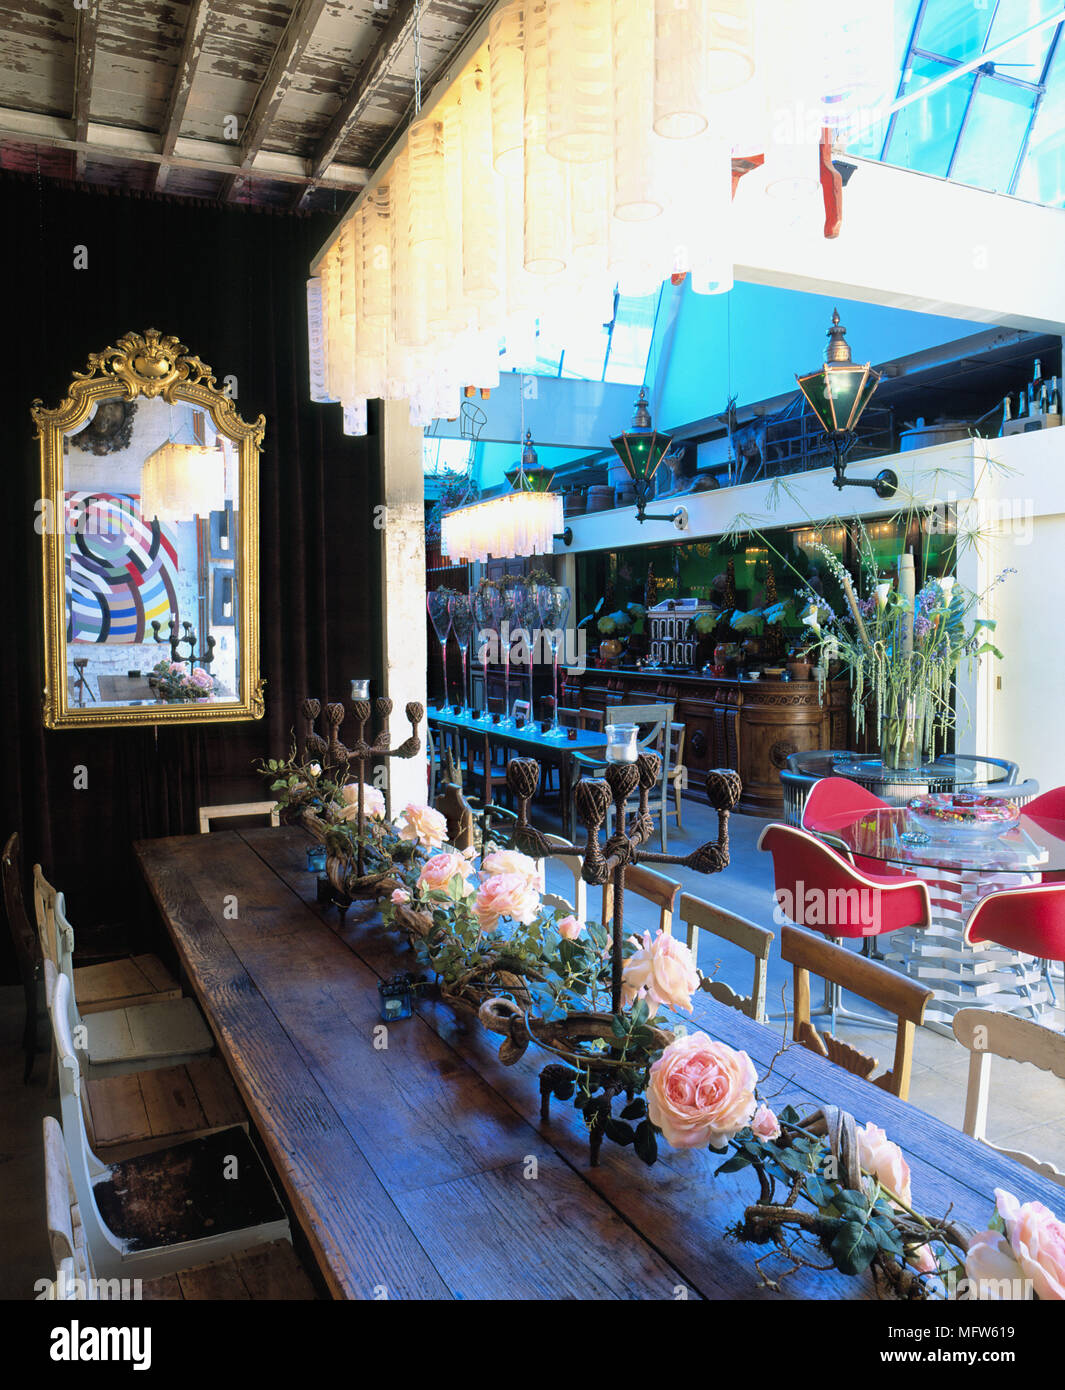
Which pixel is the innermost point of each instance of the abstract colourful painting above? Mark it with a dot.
(120, 568)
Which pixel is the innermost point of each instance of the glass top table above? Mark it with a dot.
(947, 773)
(1036, 846)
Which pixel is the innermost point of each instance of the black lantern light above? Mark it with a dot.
(838, 393)
(641, 449)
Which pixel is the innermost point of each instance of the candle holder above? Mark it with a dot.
(606, 1071)
(185, 637)
(621, 743)
(396, 997)
(337, 761)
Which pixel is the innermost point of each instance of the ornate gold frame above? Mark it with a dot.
(152, 365)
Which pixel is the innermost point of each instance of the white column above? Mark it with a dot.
(404, 659)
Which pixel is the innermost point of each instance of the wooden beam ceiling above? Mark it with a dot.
(191, 50)
(393, 38)
(271, 94)
(138, 146)
(85, 28)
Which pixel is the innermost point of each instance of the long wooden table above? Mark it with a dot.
(422, 1170)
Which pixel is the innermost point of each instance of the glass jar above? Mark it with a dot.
(621, 743)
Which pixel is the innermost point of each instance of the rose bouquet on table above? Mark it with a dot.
(177, 684)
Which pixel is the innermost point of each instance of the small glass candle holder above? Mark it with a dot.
(316, 859)
(360, 690)
(621, 743)
(571, 734)
(396, 995)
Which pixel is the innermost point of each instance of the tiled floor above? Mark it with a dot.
(1027, 1106)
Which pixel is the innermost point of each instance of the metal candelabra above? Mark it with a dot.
(602, 863)
(330, 751)
(185, 637)
(605, 862)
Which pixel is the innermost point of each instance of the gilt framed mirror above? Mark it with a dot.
(149, 520)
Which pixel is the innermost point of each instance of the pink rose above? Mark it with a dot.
(509, 861)
(665, 969)
(373, 802)
(923, 1259)
(201, 678)
(701, 1092)
(506, 895)
(400, 895)
(765, 1124)
(423, 825)
(570, 928)
(438, 871)
(1034, 1242)
(884, 1160)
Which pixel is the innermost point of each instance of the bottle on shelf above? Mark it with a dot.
(1007, 410)
(1022, 403)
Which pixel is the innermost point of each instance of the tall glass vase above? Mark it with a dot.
(902, 729)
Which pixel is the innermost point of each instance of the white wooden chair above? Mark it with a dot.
(571, 860)
(653, 887)
(241, 808)
(699, 916)
(987, 1033)
(120, 983)
(167, 1033)
(655, 722)
(140, 1111)
(267, 1271)
(141, 1218)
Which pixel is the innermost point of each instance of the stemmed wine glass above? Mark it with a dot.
(438, 603)
(529, 617)
(513, 600)
(553, 604)
(487, 611)
(462, 627)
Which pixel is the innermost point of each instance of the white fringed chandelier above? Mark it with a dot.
(582, 145)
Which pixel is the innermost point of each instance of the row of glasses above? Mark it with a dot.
(499, 611)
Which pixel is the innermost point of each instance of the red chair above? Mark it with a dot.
(1029, 920)
(1049, 807)
(847, 902)
(833, 804)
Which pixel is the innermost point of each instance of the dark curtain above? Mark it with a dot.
(231, 284)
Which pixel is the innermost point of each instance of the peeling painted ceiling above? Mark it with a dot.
(280, 103)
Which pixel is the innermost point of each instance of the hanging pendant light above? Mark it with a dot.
(183, 479)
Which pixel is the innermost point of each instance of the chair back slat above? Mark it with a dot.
(699, 916)
(44, 897)
(207, 814)
(593, 719)
(808, 953)
(987, 1033)
(653, 887)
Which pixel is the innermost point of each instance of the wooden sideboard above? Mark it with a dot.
(751, 726)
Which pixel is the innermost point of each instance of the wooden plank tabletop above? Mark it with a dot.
(410, 1168)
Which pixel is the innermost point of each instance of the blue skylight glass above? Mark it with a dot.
(1001, 127)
